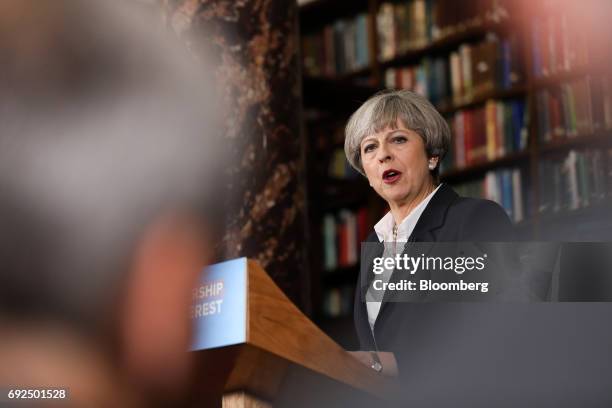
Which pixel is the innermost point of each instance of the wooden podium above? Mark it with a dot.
(278, 338)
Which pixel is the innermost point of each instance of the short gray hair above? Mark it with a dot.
(384, 110)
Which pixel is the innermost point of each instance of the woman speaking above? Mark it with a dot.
(397, 140)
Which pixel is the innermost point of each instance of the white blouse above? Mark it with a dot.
(384, 232)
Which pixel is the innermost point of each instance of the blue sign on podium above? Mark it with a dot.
(220, 305)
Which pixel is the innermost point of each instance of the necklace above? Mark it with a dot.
(395, 238)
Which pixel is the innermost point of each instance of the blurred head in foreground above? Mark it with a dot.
(107, 158)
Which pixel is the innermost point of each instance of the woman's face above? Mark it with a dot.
(396, 164)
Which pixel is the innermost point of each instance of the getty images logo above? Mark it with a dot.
(412, 264)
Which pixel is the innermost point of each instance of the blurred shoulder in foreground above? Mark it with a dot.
(109, 153)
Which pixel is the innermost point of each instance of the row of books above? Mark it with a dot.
(342, 236)
(478, 69)
(578, 107)
(430, 78)
(504, 186)
(485, 133)
(338, 48)
(556, 45)
(404, 26)
(338, 301)
(407, 25)
(343, 46)
(580, 179)
(471, 71)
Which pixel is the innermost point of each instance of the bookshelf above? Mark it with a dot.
(538, 94)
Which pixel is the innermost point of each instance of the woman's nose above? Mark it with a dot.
(383, 154)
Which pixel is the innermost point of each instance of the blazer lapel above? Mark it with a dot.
(431, 220)
(373, 249)
(434, 216)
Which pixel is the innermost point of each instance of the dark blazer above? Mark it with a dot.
(476, 354)
(447, 218)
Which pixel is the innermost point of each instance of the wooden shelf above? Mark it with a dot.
(480, 168)
(318, 13)
(345, 77)
(562, 144)
(362, 92)
(598, 210)
(351, 78)
(339, 96)
(554, 80)
(515, 92)
(340, 194)
(599, 214)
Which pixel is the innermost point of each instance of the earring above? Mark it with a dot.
(432, 165)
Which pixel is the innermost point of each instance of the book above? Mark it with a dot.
(330, 254)
(473, 70)
(489, 132)
(465, 57)
(387, 32)
(504, 186)
(418, 25)
(485, 76)
(456, 79)
(578, 107)
(517, 196)
(337, 48)
(577, 180)
(491, 129)
(555, 46)
(571, 174)
(342, 234)
(362, 53)
(459, 140)
(403, 24)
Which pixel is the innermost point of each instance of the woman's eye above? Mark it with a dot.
(368, 148)
(399, 139)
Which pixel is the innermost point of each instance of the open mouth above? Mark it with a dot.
(391, 176)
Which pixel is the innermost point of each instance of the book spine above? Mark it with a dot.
(390, 75)
(465, 54)
(504, 125)
(507, 198)
(339, 47)
(572, 180)
(460, 159)
(491, 119)
(571, 103)
(506, 64)
(348, 38)
(456, 84)
(330, 53)
(535, 49)
(517, 195)
(329, 242)
(385, 26)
